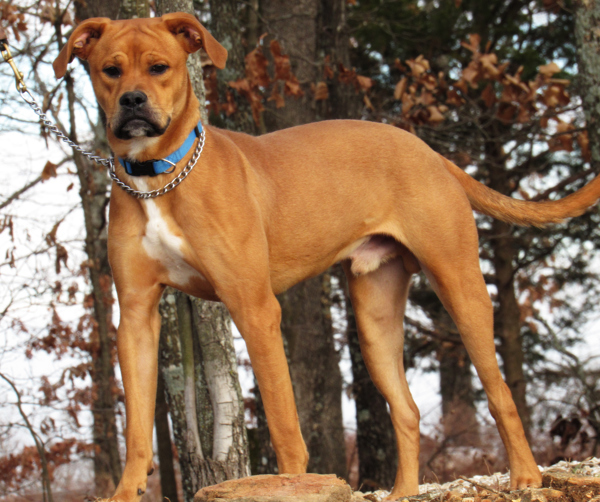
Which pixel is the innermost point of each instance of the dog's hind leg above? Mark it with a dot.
(454, 272)
(379, 300)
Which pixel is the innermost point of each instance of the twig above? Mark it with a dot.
(20, 192)
(47, 489)
(483, 487)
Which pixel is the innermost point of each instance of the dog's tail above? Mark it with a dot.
(521, 212)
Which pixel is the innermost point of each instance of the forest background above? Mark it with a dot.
(508, 90)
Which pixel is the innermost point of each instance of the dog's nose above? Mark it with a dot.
(133, 99)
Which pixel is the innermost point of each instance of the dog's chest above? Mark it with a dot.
(161, 244)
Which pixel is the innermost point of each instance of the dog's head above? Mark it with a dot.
(138, 68)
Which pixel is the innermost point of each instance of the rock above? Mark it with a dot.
(282, 488)
(577, 488)
(543, 495)
(371, 497)
(453, 496)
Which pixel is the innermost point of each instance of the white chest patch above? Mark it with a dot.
(138, 145)
(161, 244)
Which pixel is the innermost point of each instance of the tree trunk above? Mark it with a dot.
(459, 413)
(208, 414)
(168, 483)
(507, 320)
(94, 184)
(229, 18)
(306, 316)
(314, 367)
(334, 41)
(229, 455)
(176, 331)
(199, 368)
(295, 26)
(587, 19)
(507, 315)
(375, 440)
(107, 463)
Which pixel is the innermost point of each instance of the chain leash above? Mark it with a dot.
(108, 163)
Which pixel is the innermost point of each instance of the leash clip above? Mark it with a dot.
(19, 82)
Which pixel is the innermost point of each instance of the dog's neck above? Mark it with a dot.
(158, 147)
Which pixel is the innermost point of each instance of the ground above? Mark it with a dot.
(562, 482)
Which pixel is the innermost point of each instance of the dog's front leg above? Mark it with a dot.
(257, 314)
(137, 347)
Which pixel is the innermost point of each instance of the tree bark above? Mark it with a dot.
(459, 413)
(587, 38)
(507, 321)
(168, 483)
(229, 456)
(94, 184)
(375, 440)
(306, 316)
(209, 409)
(176, 315)
(314, 367)
(230, 18)
(507, 315)
(295, 26)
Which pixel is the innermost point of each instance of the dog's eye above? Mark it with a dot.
(112, 71)
(158, 69)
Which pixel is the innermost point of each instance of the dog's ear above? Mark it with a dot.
(80, 43)
(194, 36)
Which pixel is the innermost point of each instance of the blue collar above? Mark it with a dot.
(154, 167)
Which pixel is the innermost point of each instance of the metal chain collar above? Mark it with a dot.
(108, 163)
(169, 186)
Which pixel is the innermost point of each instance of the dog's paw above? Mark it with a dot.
(524, 480)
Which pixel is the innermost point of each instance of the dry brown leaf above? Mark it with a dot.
(230, 106)
(365, 83)
(434, 115)
(473, 44)
(242, 85)
(283, 69)
(407, 103)
(277, 97)
(256, 68)
(524, 115)
(400, 88)
(562, 141)
(489, 65)
(49, 171)
(418, 66)
(471, 74)
(327, 69)
(292, 87)
(556, 95)
(506, 112)
(583, 141)
(549, 69)
(489, 96)
(321, 91)
(453, 98)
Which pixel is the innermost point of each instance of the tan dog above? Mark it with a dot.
(258, 215)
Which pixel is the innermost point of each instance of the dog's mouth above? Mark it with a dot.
(135, 125)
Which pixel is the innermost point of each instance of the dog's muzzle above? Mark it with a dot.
(136, 118)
